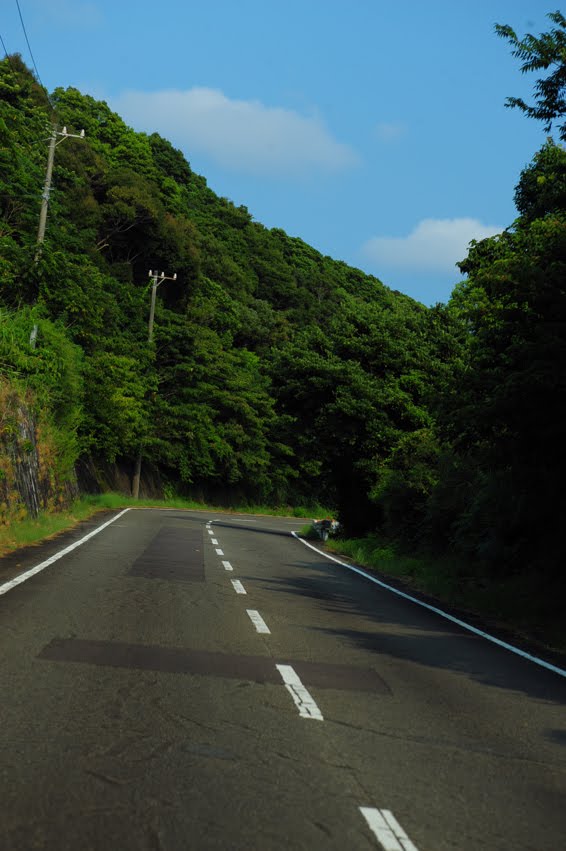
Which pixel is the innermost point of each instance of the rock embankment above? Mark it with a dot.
(30, 476)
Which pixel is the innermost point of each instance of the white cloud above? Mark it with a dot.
(434, 245)
(389, 131)
(241, 135)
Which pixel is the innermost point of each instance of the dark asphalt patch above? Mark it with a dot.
(171, 660)
(174, 553)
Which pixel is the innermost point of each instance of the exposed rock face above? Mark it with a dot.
(30, 480)
(23, 454)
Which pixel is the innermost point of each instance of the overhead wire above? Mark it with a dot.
(27, 42)
(6, 54)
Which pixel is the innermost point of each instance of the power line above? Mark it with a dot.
(28, 44)
(7, 55)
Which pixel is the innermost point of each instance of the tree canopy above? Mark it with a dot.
(539, 53)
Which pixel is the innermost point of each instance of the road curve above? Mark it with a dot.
(202, 680)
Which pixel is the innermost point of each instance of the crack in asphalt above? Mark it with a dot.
(106, 778)
(451, 745)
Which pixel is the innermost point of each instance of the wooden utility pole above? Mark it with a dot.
(48, 178)
(157, 279)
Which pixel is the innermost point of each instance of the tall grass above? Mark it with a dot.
(435, 576)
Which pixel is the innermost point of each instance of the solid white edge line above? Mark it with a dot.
(7, 586)
(387, 830)
(258, 621)
(302, 698)
(238, 587)
(548, 665)
(227, 566)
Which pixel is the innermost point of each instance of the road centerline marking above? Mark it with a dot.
(227, 566)
(219, 552)
(258, 621)
(214, 542)
(238, 587)
(387, 830)
(302, 698)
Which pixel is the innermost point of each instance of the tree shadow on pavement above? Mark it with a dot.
(378, 621)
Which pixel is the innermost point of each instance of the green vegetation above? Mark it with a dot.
(278, 376)
(31, 530)
(541, 53)
(430, 575)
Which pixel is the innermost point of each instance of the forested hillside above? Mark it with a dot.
(275, 374)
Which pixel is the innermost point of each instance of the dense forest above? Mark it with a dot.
(276, 374)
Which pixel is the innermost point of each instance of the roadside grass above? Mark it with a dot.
(521, 604)
(308, 532)
(20, 533)
(437, 577)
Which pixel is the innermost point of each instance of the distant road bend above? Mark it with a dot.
(184, 679)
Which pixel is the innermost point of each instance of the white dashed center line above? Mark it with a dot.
(214, 541)
(219, 552)
(210, 532)
(303, 699)
(227, 566)
(238, 587)
(258, 621)
(387, 829)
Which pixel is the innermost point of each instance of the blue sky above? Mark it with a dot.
(374, 130)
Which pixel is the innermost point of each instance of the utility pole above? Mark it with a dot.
(157, 279)
(48, 177)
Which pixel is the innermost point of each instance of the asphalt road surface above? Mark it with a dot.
(192, 680)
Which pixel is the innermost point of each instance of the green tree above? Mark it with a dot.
(541, 53)
(505, 421)
(542, 186)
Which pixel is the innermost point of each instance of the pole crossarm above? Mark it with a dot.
(64, 134)
(157, 279)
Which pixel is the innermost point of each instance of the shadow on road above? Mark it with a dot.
(381, 623)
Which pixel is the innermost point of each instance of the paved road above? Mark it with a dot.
(149, 703)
